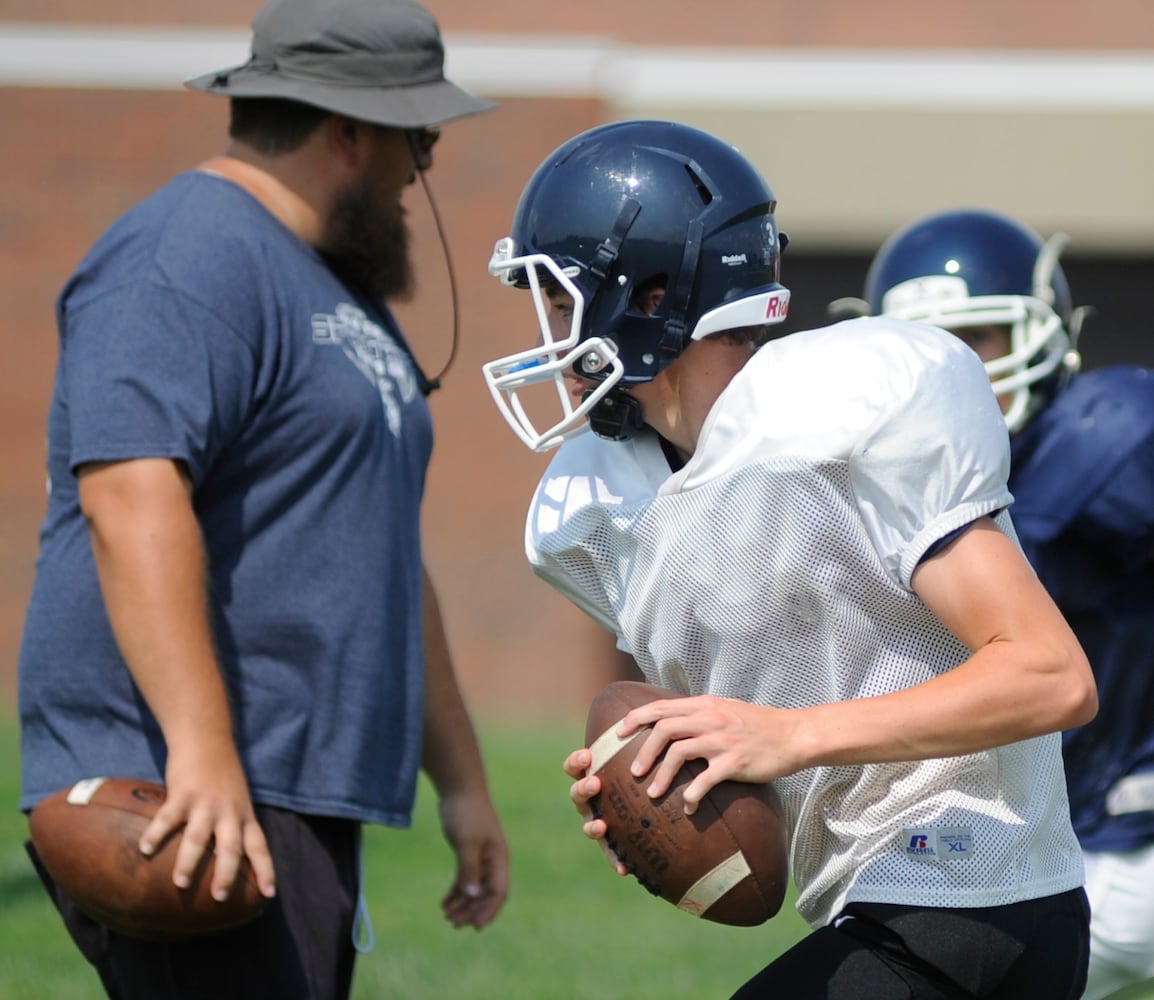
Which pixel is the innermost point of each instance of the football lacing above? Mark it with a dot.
(630, 867)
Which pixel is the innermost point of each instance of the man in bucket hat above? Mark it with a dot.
(230, 596)
(375, 61)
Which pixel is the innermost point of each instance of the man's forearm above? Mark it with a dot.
(450, 756)
(150, 558)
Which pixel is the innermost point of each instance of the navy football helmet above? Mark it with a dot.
(970, 268)
(614, 211)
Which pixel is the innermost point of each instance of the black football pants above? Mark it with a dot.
(1034, 950)
(301, 947)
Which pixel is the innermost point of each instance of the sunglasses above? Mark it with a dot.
(422, 140)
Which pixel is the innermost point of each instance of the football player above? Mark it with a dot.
(1082, 476)
(800, 535)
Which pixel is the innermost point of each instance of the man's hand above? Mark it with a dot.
(207, 793)
(474, 833)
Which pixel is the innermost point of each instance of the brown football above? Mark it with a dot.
(87, 837)
(726, 863)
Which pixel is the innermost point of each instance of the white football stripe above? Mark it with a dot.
(708, 889)
(607, 745)
(81, 793)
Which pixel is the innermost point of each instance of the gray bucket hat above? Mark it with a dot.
(378, 61)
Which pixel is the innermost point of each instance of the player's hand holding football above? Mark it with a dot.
(207, 791)
(738, 741)
(584, 788)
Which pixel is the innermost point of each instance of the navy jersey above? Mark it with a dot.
(200, 329)
(1083, 482)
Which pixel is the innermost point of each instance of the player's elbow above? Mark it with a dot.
(1077, 695)
(1087, 707)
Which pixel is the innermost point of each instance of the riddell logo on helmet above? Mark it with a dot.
(734, 258)
(777, 307)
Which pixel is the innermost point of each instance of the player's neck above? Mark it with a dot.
(696, 381)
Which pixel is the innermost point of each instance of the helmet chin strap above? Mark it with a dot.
(675, 339)
(617, 416)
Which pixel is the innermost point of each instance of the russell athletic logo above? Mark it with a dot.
(939, 843)
(920, 844)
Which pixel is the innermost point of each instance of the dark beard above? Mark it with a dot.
(367, 244)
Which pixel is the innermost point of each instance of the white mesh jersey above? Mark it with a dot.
(775, 567)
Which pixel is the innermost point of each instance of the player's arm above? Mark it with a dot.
(451, 757)
(1027, 676)
(150, 559)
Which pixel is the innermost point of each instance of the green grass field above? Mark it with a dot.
(571, 929)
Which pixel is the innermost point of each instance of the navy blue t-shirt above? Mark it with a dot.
(200, 329)
(1083, 485)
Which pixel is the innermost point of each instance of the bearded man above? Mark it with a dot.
(231, 596)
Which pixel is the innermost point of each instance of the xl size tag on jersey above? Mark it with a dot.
(943, 843)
